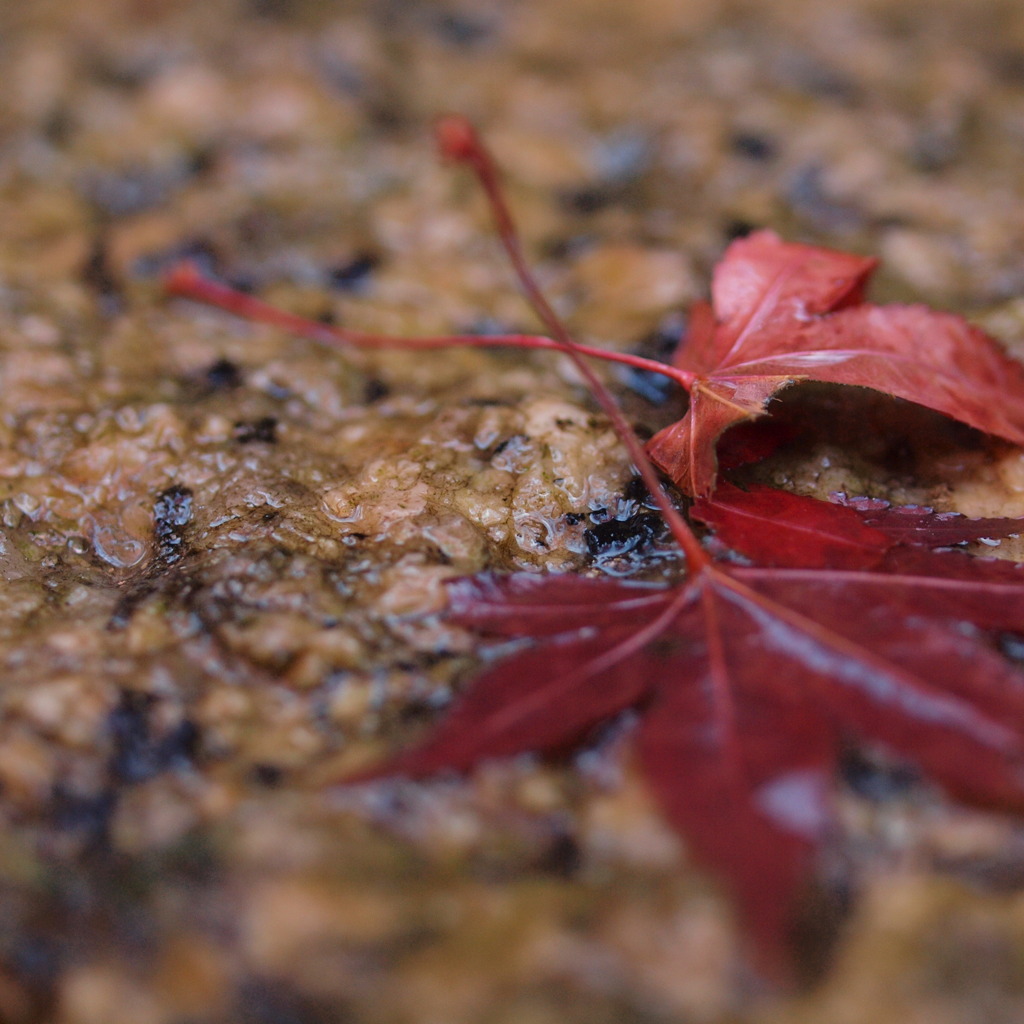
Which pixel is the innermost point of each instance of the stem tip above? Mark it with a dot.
(181, 278)
(457, 138)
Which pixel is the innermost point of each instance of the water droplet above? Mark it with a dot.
(119, 549)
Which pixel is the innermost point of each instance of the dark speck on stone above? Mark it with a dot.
(263, 430)
(562, 858)
(810, 199)
(588, 198)
(375, 390)
(621, 536)
(223, 375)
(461, 28)
(935, 149)
(99, 276)
(202, 159)
(659, 344)
(354, 275)
(85, 813)
(1009, 66)
(656, 388)
(172, 511)
(753, 146)
(132, 189)
(738, 229)
(636, 490)
(173, 507)
(129, 726)
(59, 126)
(268, 775)
(138, 754)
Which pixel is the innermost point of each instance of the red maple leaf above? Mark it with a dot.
(784, 312)
(748, 681)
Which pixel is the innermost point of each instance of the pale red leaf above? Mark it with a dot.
(789, 312)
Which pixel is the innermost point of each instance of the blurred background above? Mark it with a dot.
(165, 858)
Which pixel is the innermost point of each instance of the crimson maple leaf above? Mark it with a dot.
(784, 312)
(748, 681)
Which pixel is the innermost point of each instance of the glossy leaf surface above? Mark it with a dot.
(785, 312)
(745, 679)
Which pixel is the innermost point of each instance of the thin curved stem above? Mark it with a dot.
(458, 141)
(185, 282)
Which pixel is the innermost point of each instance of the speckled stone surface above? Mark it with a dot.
(223, 549)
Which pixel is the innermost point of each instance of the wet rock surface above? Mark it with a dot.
(224, 550)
